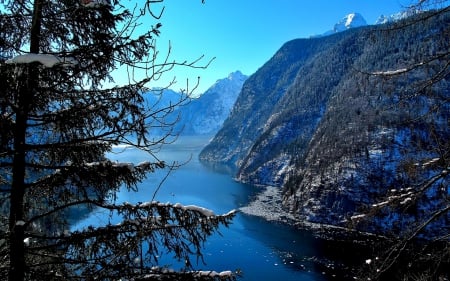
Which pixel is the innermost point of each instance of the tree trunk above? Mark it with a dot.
(16, 216)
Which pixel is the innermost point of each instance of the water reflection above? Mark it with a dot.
(261, 250)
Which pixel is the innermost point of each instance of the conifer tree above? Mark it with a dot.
(59, 118)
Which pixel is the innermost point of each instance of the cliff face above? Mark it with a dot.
(338, 123)
(197, 116)
(259, 95)
(206, 114)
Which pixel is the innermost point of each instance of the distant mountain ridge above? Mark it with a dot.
(396, 17)
(199, 116)
(206, 114)
(355, 20)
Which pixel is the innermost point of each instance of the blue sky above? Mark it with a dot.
(244, 34)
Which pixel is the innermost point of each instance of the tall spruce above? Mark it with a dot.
(59, 119)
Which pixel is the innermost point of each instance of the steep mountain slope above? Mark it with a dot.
(206, 114)
(198, 116)
(259, 94)
(313, 121)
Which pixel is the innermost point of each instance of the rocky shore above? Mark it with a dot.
(268, 205)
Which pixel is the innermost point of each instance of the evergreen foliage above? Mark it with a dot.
(59, 118)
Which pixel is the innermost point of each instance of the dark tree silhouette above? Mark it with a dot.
(59, 117)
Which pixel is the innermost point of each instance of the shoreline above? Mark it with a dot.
(263, 206)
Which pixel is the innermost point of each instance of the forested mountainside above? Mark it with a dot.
(339, 123)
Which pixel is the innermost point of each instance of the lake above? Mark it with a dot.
(262, 250)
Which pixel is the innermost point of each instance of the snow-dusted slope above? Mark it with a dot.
(200, 116)
(307, 122)
(206, 114)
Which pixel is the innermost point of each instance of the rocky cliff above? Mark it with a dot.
(341, 121)
(203, 115)
(206, 114)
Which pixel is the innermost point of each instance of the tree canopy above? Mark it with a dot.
(61, 113)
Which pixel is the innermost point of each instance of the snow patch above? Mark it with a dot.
(94, 3)
(357, 217)
(214, 274)
(431, 162)
(205, 212)
(46, 60)
(391, 72)
(128, 165)
(27, 241)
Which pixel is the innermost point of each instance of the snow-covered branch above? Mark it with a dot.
(94, 3)
(391, 72)
(408, 195)
(47, 60)
(145, 165)
(169, 274)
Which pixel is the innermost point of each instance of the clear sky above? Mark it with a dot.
(244, 34)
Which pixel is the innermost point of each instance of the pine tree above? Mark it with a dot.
(59, 117)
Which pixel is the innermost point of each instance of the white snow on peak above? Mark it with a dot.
(396, 17)
(357, 20)
(350, 21)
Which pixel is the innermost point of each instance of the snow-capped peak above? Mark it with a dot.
(396, 17)
(350, 21)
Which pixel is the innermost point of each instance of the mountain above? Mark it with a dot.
(352, 20)
(396, 17)
(320, 121)
(197, 116)
(206, 114)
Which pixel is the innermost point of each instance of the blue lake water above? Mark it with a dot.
(261, 250)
